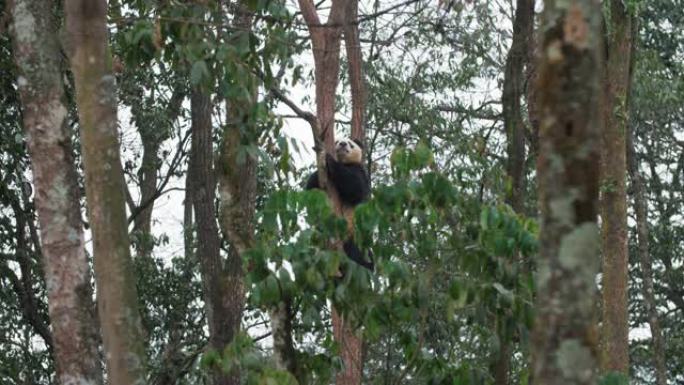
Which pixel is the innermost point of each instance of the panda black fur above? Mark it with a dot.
(347, 175)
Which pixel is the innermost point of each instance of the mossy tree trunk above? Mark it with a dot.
(237, 177)
(614, 325)
(564, 347)
(97, 109)
(75, 338)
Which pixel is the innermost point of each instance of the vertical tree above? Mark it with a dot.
(563, 340)
(641, 211)
(237, 177)
(514, 127)
(514, 82)
(614, 326)
(325, 41)
(97, 107)
(72, 310)
(208, 242)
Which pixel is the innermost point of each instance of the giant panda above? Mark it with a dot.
(350, 179)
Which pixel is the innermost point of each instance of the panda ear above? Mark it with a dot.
(358, 142)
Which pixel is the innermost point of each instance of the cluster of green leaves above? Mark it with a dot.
(446, 267)
(243, 354)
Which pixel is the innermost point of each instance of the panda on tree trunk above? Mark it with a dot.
(347, 175)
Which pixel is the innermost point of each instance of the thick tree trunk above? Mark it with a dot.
(614, 325)
(641, 209)
(75, 331)
(97, 106)
(564, 338)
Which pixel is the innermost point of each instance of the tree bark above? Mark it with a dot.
(148, 173)
(97, 107)
(531, 75)
(514, 125)
(564, 336)
(352, 45)
(325, 40)
(74, 338)
(641, 209)
(614, 326)
(219, 312)
(515, 129)
(237, 190)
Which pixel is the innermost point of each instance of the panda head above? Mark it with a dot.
(349, 151)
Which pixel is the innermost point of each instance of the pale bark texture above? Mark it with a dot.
(237, 191)
(75, 331)
(641, 210)
(97, 106)
(208, 254)
(614, 325)
(564, 338)
(283, 344)
(325, 41)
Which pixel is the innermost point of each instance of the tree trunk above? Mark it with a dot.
(564, 336)
(325, 40)
(614, 326)
(352, 45)
(515, 137)
(97, 106)
(512, 92)
(208, 241)
(237, 190)
(641, 209)
(74, 338)
(148, 173)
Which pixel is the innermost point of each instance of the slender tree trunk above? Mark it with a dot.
(148, 173)
(237, 190)
(352, 45)
(512, 92)
(74, 337)
(531, 89)
(188, 224)
(514, 126)
(351, 340)
(614, 326)
(208, 241)
(97, 106)
(641, 209)
(564, 338)
(325, 40)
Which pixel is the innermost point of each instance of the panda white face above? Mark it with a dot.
(348, 151)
